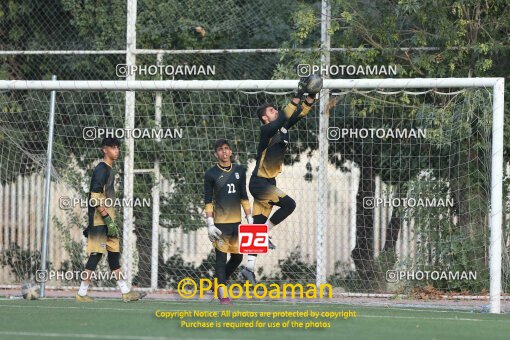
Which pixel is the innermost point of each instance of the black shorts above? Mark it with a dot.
(229, 237)
(265, 195)
(99, 241)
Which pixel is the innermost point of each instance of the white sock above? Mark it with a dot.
(250, 265)
(83, 288)
(269, 225)
(222, 292)
(124, 289)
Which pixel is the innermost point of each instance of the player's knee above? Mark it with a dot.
(236, 259)
(93, 260)
(113, 260)
(221, 266)
(221, 257)
(289, 203)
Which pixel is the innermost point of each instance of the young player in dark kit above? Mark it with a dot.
(224, 194)
(102, 232)
(274, 140)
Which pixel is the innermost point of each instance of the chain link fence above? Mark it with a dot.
(86, 40)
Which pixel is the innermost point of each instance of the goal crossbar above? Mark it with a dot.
(154, 85)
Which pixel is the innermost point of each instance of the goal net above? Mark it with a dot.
(398, 187)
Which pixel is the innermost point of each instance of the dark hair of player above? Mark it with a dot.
(110, 142)
(261, 110)
(220, 142)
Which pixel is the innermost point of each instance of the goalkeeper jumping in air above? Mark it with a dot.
(274, 140)
(102, 232)
(224, 194)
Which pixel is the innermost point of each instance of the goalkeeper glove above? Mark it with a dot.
(213, 232)
(301, 88)
(313, 85)
(113, 228)
(249, 219)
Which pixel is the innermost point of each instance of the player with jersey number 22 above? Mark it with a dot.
(224, 194)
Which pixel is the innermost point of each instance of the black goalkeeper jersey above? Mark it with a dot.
(274, 139)
(101, 188)
(225, 192)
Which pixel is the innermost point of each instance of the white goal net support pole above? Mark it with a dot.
(497, 85)
(496, 211)
(127, 254)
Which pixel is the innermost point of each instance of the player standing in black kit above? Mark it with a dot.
(224, 194)
(102, 232)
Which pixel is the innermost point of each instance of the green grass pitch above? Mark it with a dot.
(114, 319)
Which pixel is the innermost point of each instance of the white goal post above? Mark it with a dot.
(496, 179)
